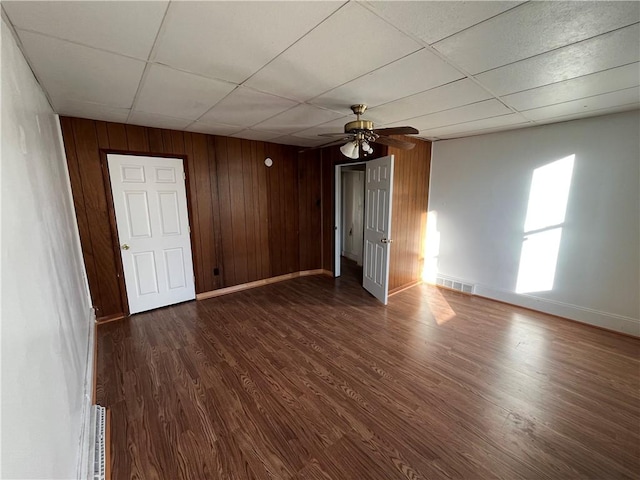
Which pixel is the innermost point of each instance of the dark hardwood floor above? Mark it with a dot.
(313, 379)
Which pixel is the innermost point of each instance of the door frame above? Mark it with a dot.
(113, 226)
(337, 214)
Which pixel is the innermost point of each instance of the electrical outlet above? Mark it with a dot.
(216, 271)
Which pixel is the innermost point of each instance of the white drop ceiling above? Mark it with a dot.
(287, 71)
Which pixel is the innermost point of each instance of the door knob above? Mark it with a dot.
(125, 247)
(386, 240)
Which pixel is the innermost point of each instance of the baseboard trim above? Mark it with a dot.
(404, 287)
(260, 283)
(94, 383)
(110, 318)
(88, 397)
(595, 318)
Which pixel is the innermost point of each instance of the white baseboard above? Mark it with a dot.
(610, 321)
(87, 401)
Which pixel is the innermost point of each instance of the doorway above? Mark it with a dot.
(352, 218)
(152, 223)
(363, 193)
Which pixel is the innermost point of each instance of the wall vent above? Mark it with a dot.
(455, 285)
(98, 466)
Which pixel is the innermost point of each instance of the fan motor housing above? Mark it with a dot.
(358, 125)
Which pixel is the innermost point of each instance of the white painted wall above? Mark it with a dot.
(352, 214)
(479, 196)
(46, 312)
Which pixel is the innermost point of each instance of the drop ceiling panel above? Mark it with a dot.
(433, 21)
(331, 55)
(128, 28)
(247, 107)
(93, 111)
(445, 97)
(601, 53)
(213, 128)
(586, 86)
(232, 40)
(334, 126)
(298, 118)
(467, 113)
(484, 131)
(300, 142)
(476, 125)
(158, 121)
(414, 73)
(256, 135)
(592, 113)
(348, 44)
(597, 102)
(532, 29)
(169, 92)
(71, 72)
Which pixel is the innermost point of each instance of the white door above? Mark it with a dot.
(377, 228)
(150, 200)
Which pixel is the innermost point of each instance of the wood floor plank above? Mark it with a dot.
(313, 379)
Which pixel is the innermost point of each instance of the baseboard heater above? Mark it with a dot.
(98, 443)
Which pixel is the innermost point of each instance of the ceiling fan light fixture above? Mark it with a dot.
(350, 149)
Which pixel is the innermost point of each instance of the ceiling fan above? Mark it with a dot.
(360, 134)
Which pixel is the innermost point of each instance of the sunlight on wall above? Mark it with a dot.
(546, 212)
(431, 249)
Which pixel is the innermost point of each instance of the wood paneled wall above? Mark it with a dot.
(409, 213)
(409, 209)
(249, 221)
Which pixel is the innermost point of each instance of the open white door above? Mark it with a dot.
(377, 228)
(150, 201)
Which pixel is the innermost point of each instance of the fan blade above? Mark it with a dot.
(330, 144)
(333, 134)
(394, 142)
(396, 131)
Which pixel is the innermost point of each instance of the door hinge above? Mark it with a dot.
(184, 175)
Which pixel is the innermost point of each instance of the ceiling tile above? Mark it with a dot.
(432, 21)
(607, 100)
(446, 97)
(348, 44)
(247, 107)
(232, 40)
(592, 113)
(256, 135)
(298, 118)
(158, 121)
(606, 51)
(213, 128)
(68, 71)
(298, 141)
(467, 113)
(334, 126)
(586, 86)
(485, 131)
(414, 73)
(169, 92)
(476, 125)
(128, 28)
(532, 29)
(93, 111)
